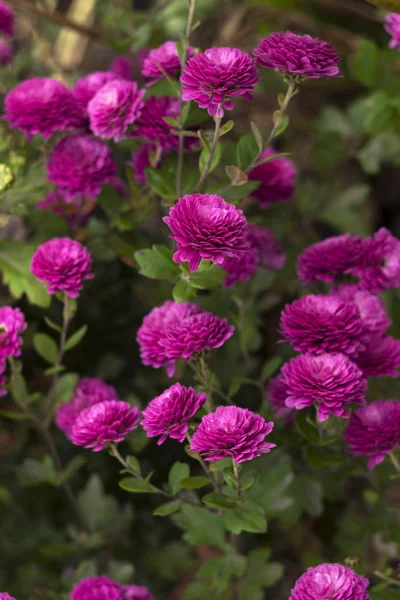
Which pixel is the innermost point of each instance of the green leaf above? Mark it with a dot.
(234, 194)
(365, 64)
(249, 516)
(65, 387)
(257, 136)
(102, 511)
(383, 147)
(236, 175)
(46, 347)
(76, 338)
(246, 151)
(34, 472)
(201, 527)
(215, 159)
(14, 416)
(19, 388)
(270, 367)
(157, 263)
(195, 482)
(134, 464)
(15, 259)
(52, 325)
(281, 120)
(172, 122)
(167, 509)
(272, 484)
(304, 427)
(55, 370)
(73, 466)
(321, 457)
(110, 201)
(221, 569)
(137, 486)
(226, 128)
(218, 500)
(207, 276)
(183, 291)
(185, 113)
(161, 183)
(220, 465)
(123, 572)
(178, 471)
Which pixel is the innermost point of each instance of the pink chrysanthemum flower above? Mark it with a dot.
(63, 264)
(328, 380)
(97, 588)
(162, 61)
(41, 105)
(205, 226)
(81, 164)
(6, 53)
(232, 432)
(330, 581)
(299, 55)
(141, 160)
(154, 329)
(372, 308)
(374, 430)
(381, 268)
(195, 334)
(153, 128)
(277, 177)
(12, 325)
(336, 255)
(136, 592)
(212, 78)
(168, 415)
(88, 391)
(87, 87)
(317, 323)
(76, 211)
(115, 106)
(277, 392)
(4, 595)
(103, 423)
(241, 267)
(121, 66)
(392, 26)
(7, 19)
(380, 357)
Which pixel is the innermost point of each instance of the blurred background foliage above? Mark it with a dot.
(344, 137)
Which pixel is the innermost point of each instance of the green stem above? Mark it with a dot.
(204, 174)
(388, 579)
(234, 539)
(186, 41)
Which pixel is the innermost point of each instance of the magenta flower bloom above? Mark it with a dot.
(277, 177)
(153, 128)
(115, 106)
(121, 66)
(205, 226)
(213, 77)
(372, 309)
(7, 19)
(41, 105)
(381, 268)
(233, 432)
(267, 245)
(6, 53)
(154, 329)
(4, 595)
(374, 430)
(87, 87)
(97, 588)
(162, 60)
(241, 267)
(328, 380)
(317, 323)
(141, 160)
(336, 255)
(392, 26)
(88, 391)
(12, 324)
(136, 592)
(63, 264)
(330, 581)
(277, 392)
(299, 55)
(81, 164)
(194, 334)
(103, 423)
(381, 357)
(170, 413)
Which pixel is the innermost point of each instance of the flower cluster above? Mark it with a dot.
(174, 331)
(333, 581)
(103, 588)
(63, 264)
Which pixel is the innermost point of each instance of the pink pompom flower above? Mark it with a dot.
(87, 87)
(12, 325)
(81, 164)
(168, 415)
(392, 26)
(381, 267)
(205, 226)
(372, 308)
(333, 581)
(115, 106)
(97, 588)
(104, 423)
(162, 61)
(277, 177)
(298, 55)
(41, 105)
(4, 595)
(380, 357)
(232, 432)
(374, 430)
(330, 381)
(277, 392)
(7, 19)
(212, 78)
(63, 264)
